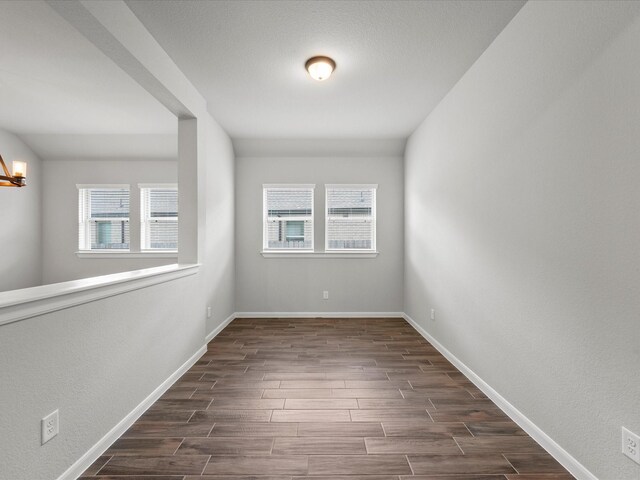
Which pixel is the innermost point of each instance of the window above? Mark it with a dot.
(159, 217)
(288, 217)
(103, 217)
(350, 217)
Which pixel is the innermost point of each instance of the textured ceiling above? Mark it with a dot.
(395, 60)
(55, 83)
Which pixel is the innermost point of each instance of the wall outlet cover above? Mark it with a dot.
(49, 426)
(631, 445)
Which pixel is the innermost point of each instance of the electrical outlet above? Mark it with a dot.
(433, 314)
(325, 295)
(49, 426)
(208, 312)
(631, 445)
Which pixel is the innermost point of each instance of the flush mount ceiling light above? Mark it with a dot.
(320, 68)
(18, 179)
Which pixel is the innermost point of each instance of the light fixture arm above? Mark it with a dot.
(8, 180)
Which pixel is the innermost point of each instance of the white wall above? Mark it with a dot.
(60, 213)
(96, 362)
(219, 277)
(296, 284)
(522, 225)
(20, 211)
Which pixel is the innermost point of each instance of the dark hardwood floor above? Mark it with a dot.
(340, 399)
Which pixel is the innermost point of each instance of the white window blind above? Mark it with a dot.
(159, 217)
(103, 218)
(288, 217)
(350, 217)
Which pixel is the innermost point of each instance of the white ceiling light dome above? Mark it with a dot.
(320, 68)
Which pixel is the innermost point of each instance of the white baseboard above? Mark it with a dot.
(84, 462)
(220, 327)
(319, 315)
(545, 441)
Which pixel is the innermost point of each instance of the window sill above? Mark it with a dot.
(149, 254)
(25, 303)
(319, 254)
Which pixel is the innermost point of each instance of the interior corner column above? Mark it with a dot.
(190, 154)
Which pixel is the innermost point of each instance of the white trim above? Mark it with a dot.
(326, 254)
(286, 219)
(21, 304)
(220, 327)
(146, 219)
(545, 441)
(265, 212)
(319, 315)
(85, 221)
(85, 461)
(374, 214)
(116, 254)
(289, 186)
(555, 450)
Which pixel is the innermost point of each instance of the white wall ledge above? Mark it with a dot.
(21, 304)
(148, 254)
(319, 254)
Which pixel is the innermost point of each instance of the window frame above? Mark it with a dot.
(265, 217)
(85, 221)
(145, 219)
(374, 217)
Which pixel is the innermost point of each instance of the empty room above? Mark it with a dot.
(320, 240)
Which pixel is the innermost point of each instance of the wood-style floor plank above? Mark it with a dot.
(387, 414)
(167, 429)
(499, 444)
(319, 446)
(534, 463)
(541, 476)
(234, 477)
(247, 403)
(454, 477)
(231, 415)
(264, 465)
(298, 393)
(494, 428)
(164, 465)
(358, 465)
(311, 416)
(426, 429)
(320, 403)
(348, 477)
(137, 477)
(144, 446)
(323, 399)
(340, 430)
(254, 430)
(226, 446)
(412, 445)
(458, 464)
